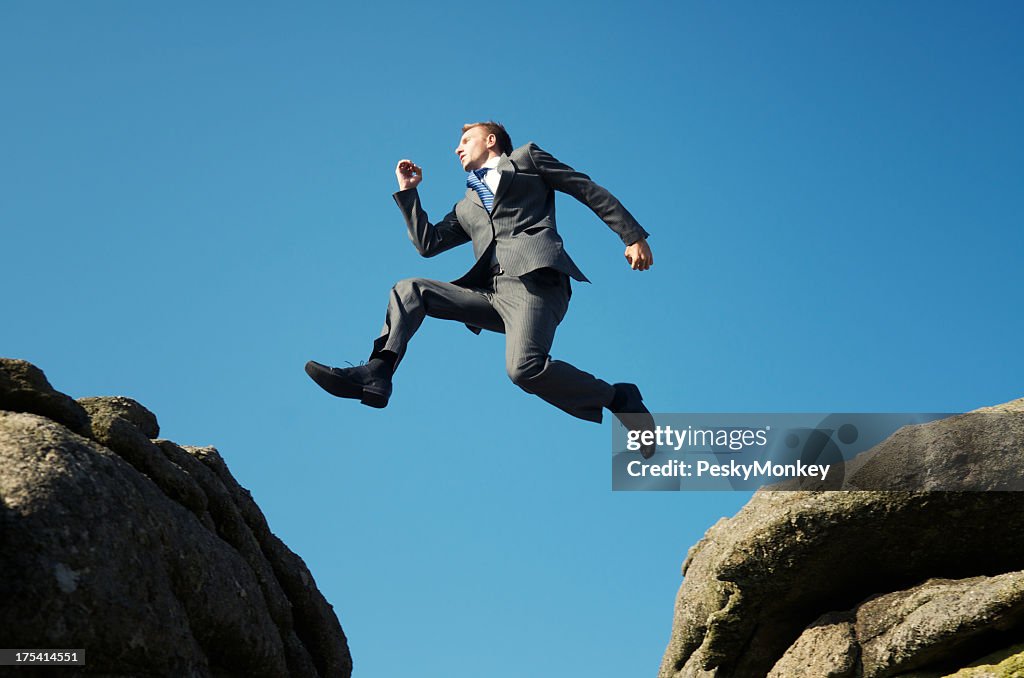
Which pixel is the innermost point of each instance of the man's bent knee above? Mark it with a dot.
(524, 372)
(408, 287)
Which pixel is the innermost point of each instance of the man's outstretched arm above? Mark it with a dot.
(429, 239)
(561, 177)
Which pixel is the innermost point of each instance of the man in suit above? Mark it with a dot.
(519, 284)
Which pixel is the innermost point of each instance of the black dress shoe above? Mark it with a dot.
(371, 384)
(629, 408)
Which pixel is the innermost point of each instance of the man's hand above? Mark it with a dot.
(639, 255)
(409, 174)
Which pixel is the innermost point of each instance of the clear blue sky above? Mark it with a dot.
(196, 200)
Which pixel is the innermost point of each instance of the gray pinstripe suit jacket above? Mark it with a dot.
(521, 226)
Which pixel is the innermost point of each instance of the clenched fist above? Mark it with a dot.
(409, 174)
(639, 255)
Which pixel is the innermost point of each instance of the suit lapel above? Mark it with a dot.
(508, 172)
(474, 197)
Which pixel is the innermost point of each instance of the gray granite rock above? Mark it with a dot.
(24, 388)
(147, 554)
(940, 623)
(130, 410)
(755, 582)
(827, 648)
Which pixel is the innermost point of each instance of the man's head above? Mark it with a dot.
(480, 142)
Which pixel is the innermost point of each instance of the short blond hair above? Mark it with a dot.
(495, 128)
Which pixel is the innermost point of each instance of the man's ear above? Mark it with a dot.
(492, 141)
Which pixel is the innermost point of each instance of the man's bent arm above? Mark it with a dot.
(429, 239)
(561, 177)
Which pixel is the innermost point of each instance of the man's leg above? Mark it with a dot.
(411, 301)
(531, 308)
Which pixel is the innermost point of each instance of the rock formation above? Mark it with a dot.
(867, 584)
(147, 554)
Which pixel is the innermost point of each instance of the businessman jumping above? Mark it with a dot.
(519, 284)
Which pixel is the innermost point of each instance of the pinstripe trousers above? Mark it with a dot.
(527, 309)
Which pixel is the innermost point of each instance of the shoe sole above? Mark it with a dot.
(374, 399)
(328, 381)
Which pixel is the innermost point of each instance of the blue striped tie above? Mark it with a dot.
(475, 180)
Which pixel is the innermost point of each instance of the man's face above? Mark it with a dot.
(475, 147)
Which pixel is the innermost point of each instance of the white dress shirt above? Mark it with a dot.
(493, 177)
